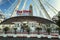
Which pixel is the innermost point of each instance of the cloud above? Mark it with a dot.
(0, 2)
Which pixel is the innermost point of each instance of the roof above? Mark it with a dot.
(24, 18)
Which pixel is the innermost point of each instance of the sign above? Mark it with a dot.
(24, 11)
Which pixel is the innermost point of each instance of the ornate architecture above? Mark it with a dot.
(24, 24)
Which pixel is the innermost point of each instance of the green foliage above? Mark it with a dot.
(24, 26)
(58, 22)
(48, 30)
(15, 28)
(59, 14)
(58, 28)
(6, 29)
(28, 30)
(38, 28)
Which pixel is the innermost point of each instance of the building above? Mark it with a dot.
(27, 23)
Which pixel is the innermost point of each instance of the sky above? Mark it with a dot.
(6, 4)
(58, 5)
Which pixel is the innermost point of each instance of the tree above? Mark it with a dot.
(24, 26)
(6, 29)
(48, 30)
(58, 29)
(38, 29)
(58, 22)
(28, 29)
(15, 30)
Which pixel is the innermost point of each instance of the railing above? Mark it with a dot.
(45, 33)
(32, 34)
